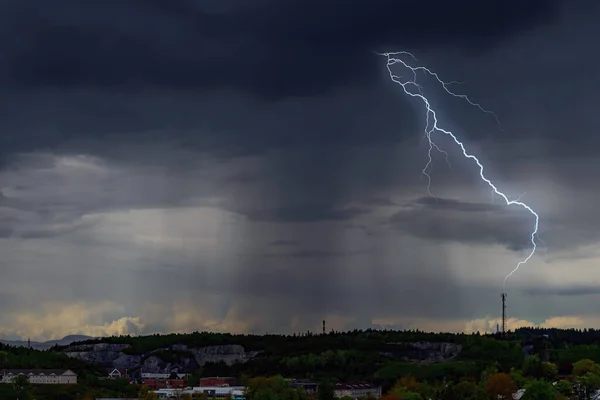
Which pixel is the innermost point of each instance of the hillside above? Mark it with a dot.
(19, 357)
(381, 356)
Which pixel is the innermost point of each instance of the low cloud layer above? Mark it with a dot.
(479, 223)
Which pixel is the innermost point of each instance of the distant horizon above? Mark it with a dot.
(83, 337)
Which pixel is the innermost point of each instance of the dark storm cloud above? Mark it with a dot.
(23, 222)
(284, 243)
(306, 213)
(320, 253)
(457, 221)
(272, 49)
(456, 205)
(110, 123)
(81, 79)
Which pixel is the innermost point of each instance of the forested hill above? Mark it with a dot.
(280, 345)
(374, 355)
(362, 340)
(569, 336)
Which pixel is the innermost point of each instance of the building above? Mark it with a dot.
(155, 384)
(117, 373)
(217, 381)
(164, 381)
(42, 376)
(356, 390)
(148, 375)
(213, 392)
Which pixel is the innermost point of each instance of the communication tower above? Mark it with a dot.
(503, 295)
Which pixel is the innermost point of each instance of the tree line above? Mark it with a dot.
(527, 356)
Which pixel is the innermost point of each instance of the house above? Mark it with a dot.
(356, 390)
(155, 384)
(117, 373)
(217, 381)
(518, 394)
(164, 381)
(41, 376)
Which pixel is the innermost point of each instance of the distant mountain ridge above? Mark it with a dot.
(67, 340)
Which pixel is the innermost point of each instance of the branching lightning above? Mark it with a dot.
(413, 89)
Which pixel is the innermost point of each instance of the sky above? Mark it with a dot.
(240, 166)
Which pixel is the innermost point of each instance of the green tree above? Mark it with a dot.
(265, 393)
(302, 394)
(549, 371)
(405, 385)
(21, 382)
(91, 380)
(564, 387)
(584, 366)
(4, 357)
(199, 396)
(325, 391)
(539, 390)
(411, 396)
(146, 394)
(532, 366)
(490, 370)
(465, 390)
(194, 379)
(426, 390)
(273, 388)
(518, 377)
(588, 384)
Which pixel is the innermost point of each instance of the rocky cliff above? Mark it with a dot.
(178, 358)
(424, 351)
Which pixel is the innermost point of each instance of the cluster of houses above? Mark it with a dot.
(218, 387)
(173, 385)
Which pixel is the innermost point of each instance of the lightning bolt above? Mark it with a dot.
(413, 89)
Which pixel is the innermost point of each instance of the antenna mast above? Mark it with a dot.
(503, 295)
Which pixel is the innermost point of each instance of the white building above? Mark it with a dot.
(148, 375)
(237, 392)
(356, 390)
(41, 376)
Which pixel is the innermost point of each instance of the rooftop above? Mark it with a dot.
(35, 371)
(361, 385)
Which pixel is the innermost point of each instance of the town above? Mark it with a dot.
(525, 364)
(175, 386)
